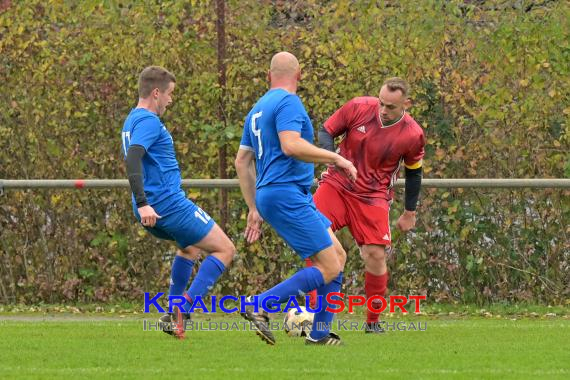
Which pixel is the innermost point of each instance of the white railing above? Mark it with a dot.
(10, 184)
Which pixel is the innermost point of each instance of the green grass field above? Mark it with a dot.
(109, 347)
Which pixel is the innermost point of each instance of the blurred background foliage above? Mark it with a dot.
(490, 86)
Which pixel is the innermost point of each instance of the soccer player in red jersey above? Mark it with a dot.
(378, 136)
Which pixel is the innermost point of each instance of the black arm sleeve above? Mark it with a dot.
(134, 172)
(413, 185)
(326, 141)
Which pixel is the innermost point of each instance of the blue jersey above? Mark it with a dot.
(160, 169)
(277, 111)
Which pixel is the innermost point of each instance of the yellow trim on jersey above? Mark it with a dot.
(416, 165)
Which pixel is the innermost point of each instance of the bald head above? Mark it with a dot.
(284, 65)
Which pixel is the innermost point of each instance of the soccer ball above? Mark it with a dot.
(298, 324)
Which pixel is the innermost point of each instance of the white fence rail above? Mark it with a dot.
(13, 184)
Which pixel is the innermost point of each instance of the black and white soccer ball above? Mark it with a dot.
(298, 323)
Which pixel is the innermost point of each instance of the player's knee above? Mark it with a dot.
(331, 271)
(228, 252)
(377, 254)
(190, 253)
(331, 275)
(232, 252)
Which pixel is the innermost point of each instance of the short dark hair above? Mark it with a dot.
(154, 77)
(395, 84)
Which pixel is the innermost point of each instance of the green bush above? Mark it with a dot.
(490, 87)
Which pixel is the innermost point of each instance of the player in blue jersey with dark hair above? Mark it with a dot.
(160, 204)
(278, 138)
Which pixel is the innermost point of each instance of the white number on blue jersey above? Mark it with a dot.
(126, 141)
(257, 133)
(200, 214)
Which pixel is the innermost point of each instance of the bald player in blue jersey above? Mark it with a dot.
(160, 204)
(275, 168)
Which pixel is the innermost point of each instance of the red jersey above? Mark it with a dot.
(376, 151)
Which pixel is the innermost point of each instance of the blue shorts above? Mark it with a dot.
(181, 220)
(291, 211)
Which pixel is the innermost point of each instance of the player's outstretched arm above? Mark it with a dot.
(245, 168)
(292, 144)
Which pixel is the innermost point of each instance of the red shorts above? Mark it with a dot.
(368, 224)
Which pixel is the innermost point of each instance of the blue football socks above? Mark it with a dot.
(210, 270)
(301, 282)
(323, 319)
(180, 275)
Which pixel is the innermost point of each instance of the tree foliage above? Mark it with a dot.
(491, 89)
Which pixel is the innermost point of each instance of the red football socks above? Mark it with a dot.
(375, 286)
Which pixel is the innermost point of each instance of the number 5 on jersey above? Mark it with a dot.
(257, 132)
